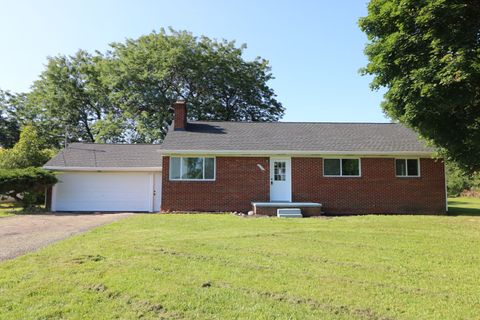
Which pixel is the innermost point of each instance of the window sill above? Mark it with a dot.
(408, 177)
(343, 177)
(191, 180)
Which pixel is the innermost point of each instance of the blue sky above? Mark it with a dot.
(315, 48)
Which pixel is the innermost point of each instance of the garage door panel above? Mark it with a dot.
(125, 191)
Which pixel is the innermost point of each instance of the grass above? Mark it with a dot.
(227, 267)
(464, 206)
(8, 209)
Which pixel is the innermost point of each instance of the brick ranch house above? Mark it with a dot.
(348, 168)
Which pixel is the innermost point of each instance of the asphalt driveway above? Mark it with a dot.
(24, 233)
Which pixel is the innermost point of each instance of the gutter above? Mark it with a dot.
(298, 152)
(101, 169)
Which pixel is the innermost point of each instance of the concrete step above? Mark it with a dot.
(289, 213)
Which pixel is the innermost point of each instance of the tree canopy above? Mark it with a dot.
(125, 94)
(9, 126)
(427, 55)
(27, 152)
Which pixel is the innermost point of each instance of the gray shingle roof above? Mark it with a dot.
(291, 136)
(107, 155)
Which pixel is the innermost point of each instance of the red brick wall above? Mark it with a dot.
(376, 191)
(239, 181)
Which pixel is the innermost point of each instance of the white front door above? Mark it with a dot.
(280, 179)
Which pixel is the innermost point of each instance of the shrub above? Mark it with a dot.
(25, 184)
(461, 183)
(27, 152)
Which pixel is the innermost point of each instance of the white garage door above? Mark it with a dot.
(102, 191)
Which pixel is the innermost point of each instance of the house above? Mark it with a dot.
(348, 168)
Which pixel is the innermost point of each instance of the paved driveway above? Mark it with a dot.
(24, 233)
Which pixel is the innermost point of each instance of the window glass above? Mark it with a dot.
(192, 168)
(400, 167)
(406, 167)
(209, 168)
(350, 167)
(331, 167)
(279, 171)
(174, 168)
(412, 167)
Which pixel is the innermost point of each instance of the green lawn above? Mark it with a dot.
(224, 267)
(8, 209)
(464, 206)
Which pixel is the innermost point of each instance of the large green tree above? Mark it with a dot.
(70, 100)
(427, 54)
(125, 95)
(148, 74)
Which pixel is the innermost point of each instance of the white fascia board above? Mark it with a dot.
(110, 169)
(298, 152)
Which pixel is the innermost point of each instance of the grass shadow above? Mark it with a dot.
(13, 208)
(464, 207)
(9, 209)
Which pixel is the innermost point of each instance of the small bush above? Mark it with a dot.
(25, 185)
(461, 183)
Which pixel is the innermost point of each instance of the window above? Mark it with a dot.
(341, 167)
(192, 168)
(407, 167)
(279, 171)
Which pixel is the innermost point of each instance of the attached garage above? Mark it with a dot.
(96, 177)
(106, 191)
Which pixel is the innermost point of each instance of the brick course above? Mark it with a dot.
(378, 190)
(239, 181)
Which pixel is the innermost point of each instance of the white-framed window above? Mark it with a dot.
(341, 167)
(407, 167)
(192, 168)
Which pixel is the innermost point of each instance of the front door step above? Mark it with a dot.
(307, 209)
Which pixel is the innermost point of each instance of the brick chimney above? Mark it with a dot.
(179, 115)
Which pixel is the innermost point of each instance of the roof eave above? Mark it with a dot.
(97, 169)
(300, 152)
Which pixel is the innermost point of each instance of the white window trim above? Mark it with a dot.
(341, 170)
(192, 156)
(406, 168)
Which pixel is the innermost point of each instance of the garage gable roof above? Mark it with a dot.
(101, 156)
